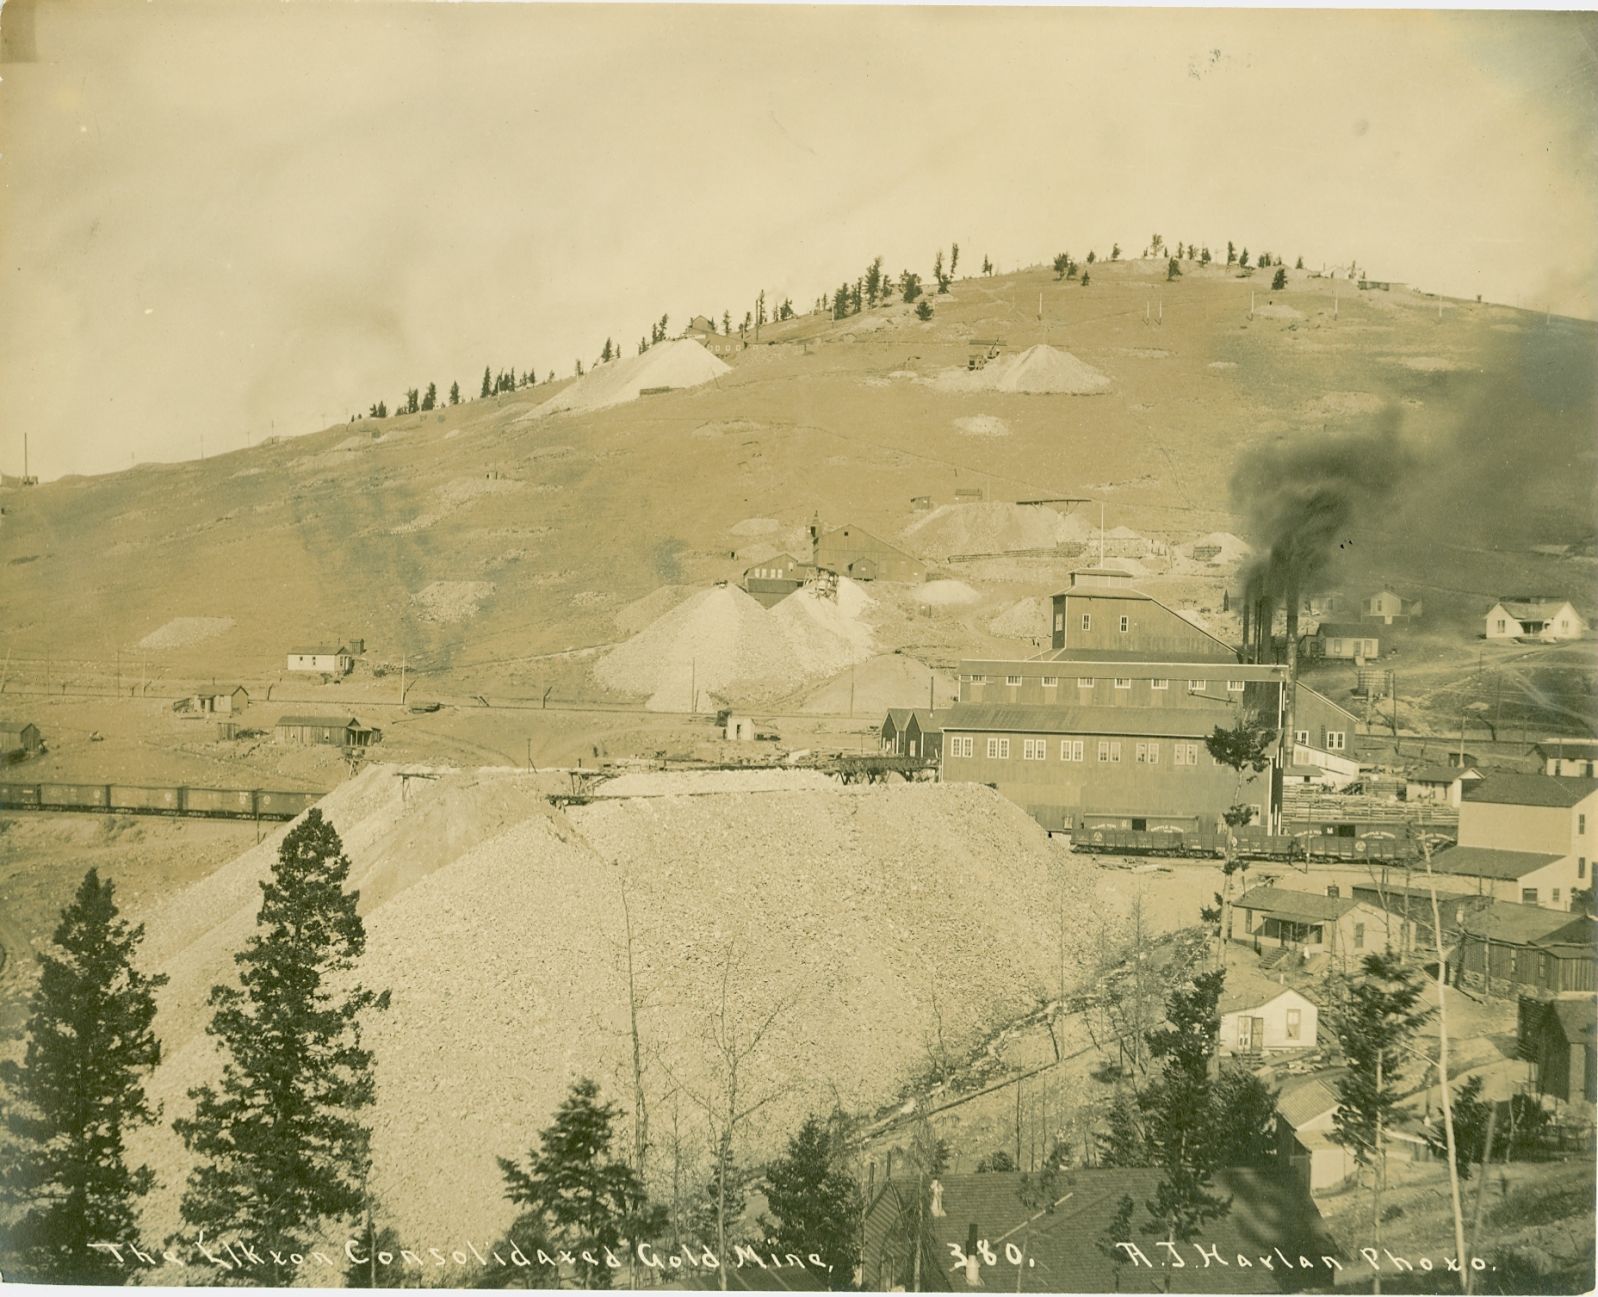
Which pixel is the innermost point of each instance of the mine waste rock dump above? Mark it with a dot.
(668, 366)
(868, 918)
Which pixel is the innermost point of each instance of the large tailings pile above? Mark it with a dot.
(722, 644)
(993, 527)
(848, 913)
(1040, 371)
(682, 363)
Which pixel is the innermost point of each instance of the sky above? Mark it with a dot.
(225, 220)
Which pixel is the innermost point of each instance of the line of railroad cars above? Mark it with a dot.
(132, 799)
(1311, 841)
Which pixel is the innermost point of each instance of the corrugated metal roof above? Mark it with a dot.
(1532, 790)
(1296, 905)
(1487, 862)
(1159, 722)
(1526, 925)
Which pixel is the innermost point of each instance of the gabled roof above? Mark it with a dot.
(15, 727)
(927, 722)
(1526, 925)
(328, 722)
(1303, 906)
(900, 716)
(1534, 607)
(1440, 774)
(1532, 790)
(1573, 749)
(1353, 629)
(1487, 862)
(1247, 988)
(1173, 722)
(1304, 1103)
(1300, 686)
(1578, 1020)
(324, 651)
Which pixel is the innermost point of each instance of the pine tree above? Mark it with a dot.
(726, 324)
(923, 310)
(584, 1199)
(1231, 252)
(1204, 257)
(1279, 281)
(280, 1151)
(873, 280)
(1062, 263)
(1173, 269)
(1085, 277)
(1373, 1026)
(1244, 1109)
(430, 398)
(487, 380)
(1242, 259)
(910, 283)
(815, 1203)
(987, 265)
(954, 258)
(1299, 264)
(1115, 252)
(74, 1097)
(1092, 256)
(1243, 748)
(1470, 1112)
(454, 393)
(604, 356)
(381, 412)
(1178, 1112)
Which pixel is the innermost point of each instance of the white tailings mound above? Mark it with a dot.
(946, 594)
(983, 425)
(674, 783)
(1025, 619)
(680, 363)
(993, 527)
(722, 644)
(180, 632)
(1039, 370)
(889, 680)
(496, 923)
(451, 601)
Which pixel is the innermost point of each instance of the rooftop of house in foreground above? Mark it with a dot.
(1532, 790)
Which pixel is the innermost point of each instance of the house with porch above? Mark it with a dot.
(1308, 923)
(1261, 1016)
(1534, 616)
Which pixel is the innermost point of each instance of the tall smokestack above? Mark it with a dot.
(1248, 611)
(1287, 746)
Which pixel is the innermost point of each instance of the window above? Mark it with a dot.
(1581, 867)
(1581, 824)
(1012, 681)
(1109, 749)
(1335, 647)
(1126, 624)
(979, 680)
(1051, 682)
(1502, 625)
(1084, 682)
(1059, 621)
(1087, 621)
(1359, 936)
(1295, 1020)
(1234, 686)
(1159, 684)
(1033, 749)
(1148, 754)
(1184, 754)
(1556, 896)
(1301, 736)
(1528, 896)
(1196, 686)
(1123, 682)
(1334, 740)
(963, 746)
(1070, 749)
(998, 749)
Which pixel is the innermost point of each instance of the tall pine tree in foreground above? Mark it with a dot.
(584, 1199)
(78, 1091)
(280, 1151)
(815, 1203)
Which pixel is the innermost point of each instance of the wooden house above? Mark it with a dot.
(1389, 608)
(321, 660)
(1559, 1038)
(1439, 784)
(854, 552)
(1534, 616)
(1505, 949)
(20, 740)
(341, 731)
(1348, 640)
(773, 579)
(1259, 1016)
(1307, 923)
(1569, 758)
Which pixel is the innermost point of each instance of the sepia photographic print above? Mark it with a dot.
(783, 647)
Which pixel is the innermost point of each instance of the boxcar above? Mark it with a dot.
(128, 797)
(283, 806)
(25, 796)
(218, 801)
(74, 797)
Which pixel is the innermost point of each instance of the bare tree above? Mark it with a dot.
(728, 1103)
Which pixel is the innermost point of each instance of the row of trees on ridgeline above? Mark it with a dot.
(279, 1144)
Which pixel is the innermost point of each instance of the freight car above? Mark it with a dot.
(133, 799)
(1318, 840)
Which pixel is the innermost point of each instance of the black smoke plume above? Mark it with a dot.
(1306, 497)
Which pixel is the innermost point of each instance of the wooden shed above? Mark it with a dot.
(20, 740)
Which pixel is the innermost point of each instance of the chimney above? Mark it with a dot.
(1288, 741)
(1248, 628)
(973, 1264)
(937, 1198)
